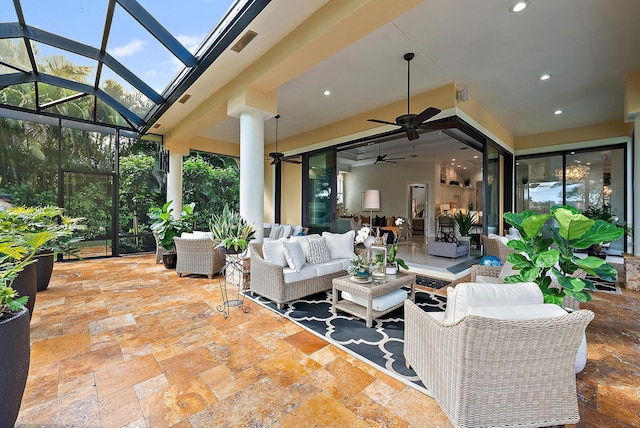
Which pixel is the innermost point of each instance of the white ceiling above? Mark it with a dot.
(588, 47)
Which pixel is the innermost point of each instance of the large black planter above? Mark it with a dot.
(169, 260)
(25, 284)
(14, 365)
(44, 268)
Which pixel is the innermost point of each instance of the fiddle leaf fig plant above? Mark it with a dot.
(541, 259)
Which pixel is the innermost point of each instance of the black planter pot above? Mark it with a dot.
(14, 365)
(25, 284)
(169, 260)
(44, 268)
(231, 251)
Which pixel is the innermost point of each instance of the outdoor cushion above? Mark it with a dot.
(276, 231)
(380, 303)
(285, 232)
(294, 254)
(317, 251)
(340, 244)
(330, 267)
(274, 252)
(290, 275)
(470, 294)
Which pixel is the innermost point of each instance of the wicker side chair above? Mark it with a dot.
(490, 372)
(198, 256)
(159, 250)
(495, 247)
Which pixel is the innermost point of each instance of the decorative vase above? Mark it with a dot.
(169, 260)
(44, 269)
(25, 284)
(14, 365)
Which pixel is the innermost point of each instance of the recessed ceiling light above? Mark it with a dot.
(519, 6)
(545, 77)
(326, 93)
(475, 156)
(557, 112)
(453, 159)
(452, 163)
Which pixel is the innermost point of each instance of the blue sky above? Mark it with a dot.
(83, 20)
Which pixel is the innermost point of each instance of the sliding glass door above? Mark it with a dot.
(318, 192)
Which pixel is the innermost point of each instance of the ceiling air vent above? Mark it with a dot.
(184, 99)
(157, 125)
(244, 41)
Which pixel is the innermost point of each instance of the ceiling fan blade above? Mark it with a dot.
(394, 159)
(438, 125)
(291, 160)
(382, 121)
(412, 134)
(426, 114)
(275, 161)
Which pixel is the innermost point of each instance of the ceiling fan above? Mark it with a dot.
(410, 122)
(277, 156)
(383, 158)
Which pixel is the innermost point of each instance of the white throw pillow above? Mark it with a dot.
(274, 252)
(276, 230)
(340, 244)
(318, 252)
(295, 231)
(285, 231)
(470, 294)
(294, 254)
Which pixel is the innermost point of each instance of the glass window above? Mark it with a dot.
(538, 187)
(14, 52)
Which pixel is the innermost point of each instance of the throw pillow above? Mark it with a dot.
(294, 254)
(340, 244)
(380, 221)
(318, 252)
(275, 231)
(296, 230)
(274, 252)
(285, 231)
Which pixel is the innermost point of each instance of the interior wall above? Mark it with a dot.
(291, 200)
(392, 181)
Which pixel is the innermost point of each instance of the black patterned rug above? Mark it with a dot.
(431, 282)
(380, 346)
(604, 286)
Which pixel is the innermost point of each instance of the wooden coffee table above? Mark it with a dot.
(369, 292)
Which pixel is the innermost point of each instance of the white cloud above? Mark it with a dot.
(129, 49)
(189, 42)
(151, 73)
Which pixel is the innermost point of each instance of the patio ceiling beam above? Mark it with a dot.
(13, 30)
(17, 78)
(158, 31)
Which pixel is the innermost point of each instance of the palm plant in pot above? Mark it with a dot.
(231, 232)
(465, 221)
(167, 227)
(17, 251)
(541, 259)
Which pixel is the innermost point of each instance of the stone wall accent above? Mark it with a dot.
(631, 278)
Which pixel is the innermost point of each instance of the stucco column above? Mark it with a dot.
(252, 168)
(174, 182)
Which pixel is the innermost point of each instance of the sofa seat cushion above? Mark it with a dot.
(331, 267)
(380, 303)
(306, 272)
(471, 294)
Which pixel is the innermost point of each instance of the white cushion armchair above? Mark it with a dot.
(198, 255)
(509, 365)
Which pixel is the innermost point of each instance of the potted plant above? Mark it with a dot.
(360, 267)
(231, 232)
(17, 251)
(167, 227)
(393, 261)
(540, 259)
(467, 182)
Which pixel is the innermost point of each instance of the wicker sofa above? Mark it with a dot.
(280, 283)
(498, 365)
(197, 255)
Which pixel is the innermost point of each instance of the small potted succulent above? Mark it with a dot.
(360, 267)
(231, 232)
(167, 227)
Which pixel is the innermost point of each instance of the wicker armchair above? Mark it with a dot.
(489, 372)
(198, 256)
(495, 247)
(159, 250)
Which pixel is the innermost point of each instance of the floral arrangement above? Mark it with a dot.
(359, 265)
(362, 235)
(399, 222)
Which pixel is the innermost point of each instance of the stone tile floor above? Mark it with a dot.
(125, 343)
